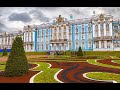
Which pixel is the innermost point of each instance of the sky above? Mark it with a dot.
(15, 18)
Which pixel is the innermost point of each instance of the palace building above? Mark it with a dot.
(98, 33)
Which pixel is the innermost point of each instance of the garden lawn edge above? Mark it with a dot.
(84, 75)
(56, 78)
(32, 78)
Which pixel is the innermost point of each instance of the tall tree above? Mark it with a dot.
(17, 64)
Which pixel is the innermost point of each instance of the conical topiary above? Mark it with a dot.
(79, 53)
(17, 64)
(4, 52)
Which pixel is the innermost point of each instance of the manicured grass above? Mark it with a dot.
(103, 53)
(101, 64)
(114, 57)
(36, 53)
(47, 76)
(116, 61)
(104, 76)
(2, 66)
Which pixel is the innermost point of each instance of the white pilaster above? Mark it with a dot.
(104, 29)
(105, 44)
(99, 33)
(0, 40)
(99, 44)
(110, 28)
(93, 30)
(24, 36)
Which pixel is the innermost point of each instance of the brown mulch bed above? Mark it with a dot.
(21, 79)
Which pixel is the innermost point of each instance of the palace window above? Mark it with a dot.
(102, 25)
(42, 46)
(97, 45)
(116, 27)
(76, 30)
(90, 45)
(108, 44)
(46, 32)
(102, 44)
(107, 26)
(46, 46)
(96, 27)
(83, 45)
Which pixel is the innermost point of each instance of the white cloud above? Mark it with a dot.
(51, 13)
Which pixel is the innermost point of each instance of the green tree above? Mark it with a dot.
(80, 52)
(17, 64)
(4, 52)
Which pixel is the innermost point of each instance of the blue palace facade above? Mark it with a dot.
(98, 33)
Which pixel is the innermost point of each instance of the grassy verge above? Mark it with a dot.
(103, 53)
(47, 76)
(101, 64)
(104, 76)
(116, 61)
(2, 66)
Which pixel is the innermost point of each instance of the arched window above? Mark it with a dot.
(107, 26)
(108, 44)
(96, 27)
(102, 44)
(90, 45)
(102, 25)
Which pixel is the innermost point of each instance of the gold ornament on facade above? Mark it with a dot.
(60, 19)
(101, 17)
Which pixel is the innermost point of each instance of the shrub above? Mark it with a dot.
(79, 53)
(4, 52)
(17, 64)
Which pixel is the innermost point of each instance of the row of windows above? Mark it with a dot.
(102, 26)
(103, 44)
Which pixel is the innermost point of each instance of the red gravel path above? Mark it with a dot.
(73, 72)
(108, 62)
(21, 79)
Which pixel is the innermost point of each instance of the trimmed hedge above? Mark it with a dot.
(4, 52)
(17, 64)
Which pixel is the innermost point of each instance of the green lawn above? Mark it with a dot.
(104, 76)
(47, 76)
(116, 61)
(2, 66)
(101, 64)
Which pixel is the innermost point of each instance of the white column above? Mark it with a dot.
(29, 47)
(99, 33)
(62, 33)
(104, 29)
(26, 47)
(110, 28)
(67, 29)
(57, 33)
(99, 44)
(24, 36)
(93, 30)
(0, 40)
(29, 36)
(105, 44)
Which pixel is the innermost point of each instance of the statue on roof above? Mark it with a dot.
(60, 19)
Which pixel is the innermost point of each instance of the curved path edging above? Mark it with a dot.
(50, 65)
(32, 78)
(56, 78)
(84, 75)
